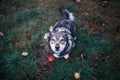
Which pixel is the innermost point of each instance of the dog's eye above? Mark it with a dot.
(52, 40)
(62, 41)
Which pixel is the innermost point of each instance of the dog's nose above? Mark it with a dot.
(57, 47)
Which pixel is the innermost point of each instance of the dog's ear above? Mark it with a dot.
(46, 36)
(69, 37)
(51, 28)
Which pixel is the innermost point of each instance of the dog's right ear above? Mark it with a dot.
(46, 36)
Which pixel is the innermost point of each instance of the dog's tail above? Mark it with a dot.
(68, 14)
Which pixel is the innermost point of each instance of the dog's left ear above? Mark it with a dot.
(51, 28)
(69, 37)
(46, 36)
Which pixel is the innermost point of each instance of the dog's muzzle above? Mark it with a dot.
(57, 47)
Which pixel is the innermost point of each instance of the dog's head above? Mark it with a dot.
(57, 41)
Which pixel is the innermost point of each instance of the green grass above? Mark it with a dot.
(24, 23)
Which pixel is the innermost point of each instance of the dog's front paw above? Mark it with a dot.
(66, 56)
(55, 55)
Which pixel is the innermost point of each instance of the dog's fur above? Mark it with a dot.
(60, 39)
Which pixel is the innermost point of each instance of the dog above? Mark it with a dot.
(60, 39)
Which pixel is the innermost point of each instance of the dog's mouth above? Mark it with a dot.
(57, 48)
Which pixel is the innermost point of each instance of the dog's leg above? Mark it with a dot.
(55, 55)
(74, 38)
(73, 45)
(66, 56)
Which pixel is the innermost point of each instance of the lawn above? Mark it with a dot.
(95, 56)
